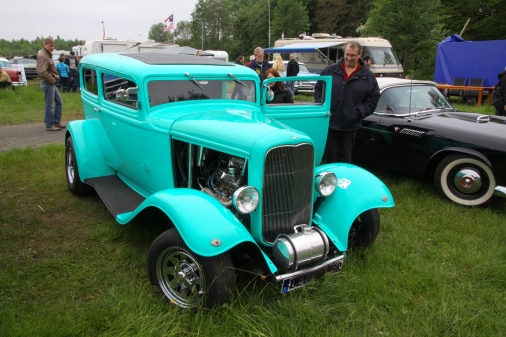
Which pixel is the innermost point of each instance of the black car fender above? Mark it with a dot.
(436, 158)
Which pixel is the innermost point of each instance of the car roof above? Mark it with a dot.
(387, 82)
(286, 61)
(141, 65)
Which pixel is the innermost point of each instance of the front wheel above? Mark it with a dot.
(464, 180)
(365, 229)
(186, 279)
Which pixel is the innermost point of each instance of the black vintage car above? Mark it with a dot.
(416, 131)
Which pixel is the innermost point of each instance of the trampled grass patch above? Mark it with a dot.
(26, 105)
(68, 269)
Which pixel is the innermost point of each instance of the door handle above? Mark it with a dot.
(97, 109)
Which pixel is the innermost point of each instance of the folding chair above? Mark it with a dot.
(472, 95)
(461, 81)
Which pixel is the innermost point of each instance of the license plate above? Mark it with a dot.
(292, 283)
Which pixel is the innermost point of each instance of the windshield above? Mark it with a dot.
(406, 99)
(161, 92)
(303, 68)
(381, 55)
(4, 64)
(26, 61)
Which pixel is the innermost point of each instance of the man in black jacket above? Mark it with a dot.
(292, 69)
(259, 65)
(355, 95)
(501, 93)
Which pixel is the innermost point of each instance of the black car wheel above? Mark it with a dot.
(464, 180)
(186, 279)
(365, 229)
(76, 186)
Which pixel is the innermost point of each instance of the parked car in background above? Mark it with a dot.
(237, 180)
(416, 131)
(30, 66)
(302, 85)
(15, 74)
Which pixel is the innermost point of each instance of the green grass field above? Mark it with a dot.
(68, 269)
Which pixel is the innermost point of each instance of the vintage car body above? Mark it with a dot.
(15, 74)
(238, 180)
(30, 66)
(416, 131)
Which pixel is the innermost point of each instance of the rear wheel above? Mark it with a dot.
(464, 180)
(76, 186)
(365, 229)
(186, 279)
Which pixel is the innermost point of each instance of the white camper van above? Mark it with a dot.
(321, 49)
(112, 45)
(218, 54)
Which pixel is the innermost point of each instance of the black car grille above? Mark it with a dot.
(287, 190)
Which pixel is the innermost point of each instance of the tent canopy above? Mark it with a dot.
(182, 50)
(302, 47)
(457, 57)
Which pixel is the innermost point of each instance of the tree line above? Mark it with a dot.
(22, 46)
(413, 27)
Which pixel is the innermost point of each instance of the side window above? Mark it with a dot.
(120, 90)
(90, 80)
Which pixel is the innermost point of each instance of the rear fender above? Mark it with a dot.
(206, 226)
(358, 191)
(90, 159)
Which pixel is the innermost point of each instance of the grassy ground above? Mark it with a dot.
(26, 105)
(68, 269)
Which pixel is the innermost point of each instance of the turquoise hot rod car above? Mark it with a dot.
(238, 179)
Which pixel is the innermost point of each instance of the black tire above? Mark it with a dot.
(76, 186)
(365, 229)
(464, 180)
(186, 279)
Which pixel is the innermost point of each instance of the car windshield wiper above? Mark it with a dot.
(194, 81)
(236, 80)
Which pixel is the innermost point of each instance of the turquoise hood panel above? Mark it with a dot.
(234, 131)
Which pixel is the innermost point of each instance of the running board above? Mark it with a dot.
(116, 195)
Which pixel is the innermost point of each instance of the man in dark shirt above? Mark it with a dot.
(259, 65)
(292, 69)
(355, 95)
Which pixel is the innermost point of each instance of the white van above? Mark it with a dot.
(320, 49)
(218, 54)
(112, 45)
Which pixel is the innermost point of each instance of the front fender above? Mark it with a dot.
(200, 219)
(358, 190)
(90, 159)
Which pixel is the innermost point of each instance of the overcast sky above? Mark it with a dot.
(71, 19)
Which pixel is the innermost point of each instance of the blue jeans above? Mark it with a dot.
(53, 101)
(291, 86)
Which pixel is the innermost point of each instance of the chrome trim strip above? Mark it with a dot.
(304, 271)
(483, 119)
(500, 191)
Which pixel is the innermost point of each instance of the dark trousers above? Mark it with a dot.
(339, 146)
(64, 83)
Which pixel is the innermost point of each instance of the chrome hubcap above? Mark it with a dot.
(181, 277)
(70, 166)
(467, 181)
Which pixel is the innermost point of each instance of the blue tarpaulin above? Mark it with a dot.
(457, 57)
(302, 47)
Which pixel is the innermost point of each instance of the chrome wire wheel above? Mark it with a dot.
(181, 277)
(70, 165)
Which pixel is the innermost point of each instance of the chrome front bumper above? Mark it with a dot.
(339, 259)
(500, 191)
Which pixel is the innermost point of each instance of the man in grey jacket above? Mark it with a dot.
(355, 95)
(49, 77)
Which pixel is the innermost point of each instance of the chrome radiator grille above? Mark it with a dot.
(287, 189)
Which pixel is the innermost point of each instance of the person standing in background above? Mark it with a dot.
(292, 69)
(64, 72)
(500, 88)
(49, 76)
(259, 65)
(73, 65)
(239, 90)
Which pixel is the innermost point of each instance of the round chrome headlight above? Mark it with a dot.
(245, 199)
(326, 183)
